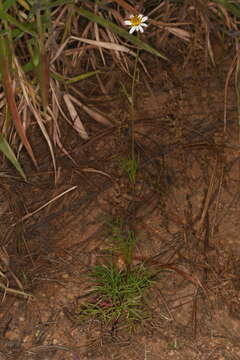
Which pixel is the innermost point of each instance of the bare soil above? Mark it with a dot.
(184, 209)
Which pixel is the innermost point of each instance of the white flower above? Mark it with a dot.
(137, 22)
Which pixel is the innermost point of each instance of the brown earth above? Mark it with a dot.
(184, 209)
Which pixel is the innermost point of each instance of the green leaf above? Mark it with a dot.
(28, 66)
(8, 4)
(75, 78)
(118, 30)
(13, 21)
(36, 57)
(7, 151)
(81, 77)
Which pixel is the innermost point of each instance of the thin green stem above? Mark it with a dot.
(133, 103)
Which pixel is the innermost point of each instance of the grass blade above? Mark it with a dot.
(13, 21)
(81, 77)
(233, 8)
(4, 64)
(8, 152)
(118, 30)
(43, 78)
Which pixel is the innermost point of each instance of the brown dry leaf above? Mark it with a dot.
(105, 45)
(18, 282)
(180, 33)
(59, 51)
(14, 111)
(53, 115)
(96, 171)
(113, 39)
(13, 291)
(111, 46)
(44, 131)
(77, 123)
(4, 257)
(102, 119)
(25, 217)
(209, 47)
(96, 31)
(228, 77)
(28, 92)
(2, 99)
(44, 79)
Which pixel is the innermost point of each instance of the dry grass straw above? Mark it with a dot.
(4, 280)
(40, 45)
(36, 66)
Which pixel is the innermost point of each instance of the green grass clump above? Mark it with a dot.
(130, 166)
(119, 296)
(123, 242)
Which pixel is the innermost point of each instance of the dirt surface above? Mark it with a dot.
(184, 210)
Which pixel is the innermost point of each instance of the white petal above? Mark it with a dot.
(144, 25)
(132, 29)
(137, 28)
(127, 22)
(131, 16)
(144, 19)
(141, 29)
(140, 16)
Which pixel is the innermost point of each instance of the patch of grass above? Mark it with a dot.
(8, 152)
(123, 242)
(119, 289)
(118, 296)
(123, 293)
(130, 166)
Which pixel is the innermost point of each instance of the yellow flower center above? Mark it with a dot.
(136, 20)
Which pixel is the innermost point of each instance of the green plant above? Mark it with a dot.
(123, 242)
(8, 152)
(118, 296)
(130, 166)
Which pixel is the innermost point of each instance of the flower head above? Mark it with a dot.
(137, 22)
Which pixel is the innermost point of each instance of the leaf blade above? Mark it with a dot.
(118, 30)
(8, 152)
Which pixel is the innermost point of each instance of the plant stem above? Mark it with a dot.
(133, 103)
